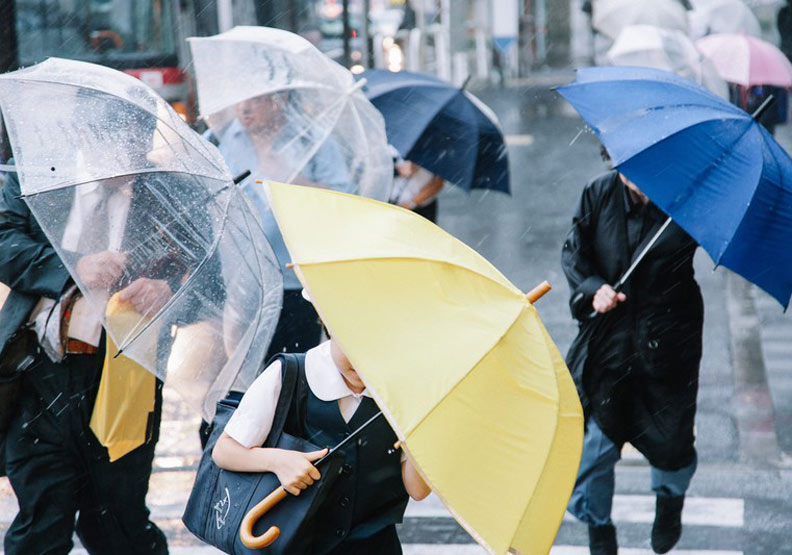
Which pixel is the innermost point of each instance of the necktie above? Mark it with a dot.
(126, 390)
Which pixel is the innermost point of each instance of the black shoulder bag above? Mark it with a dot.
(220, 498)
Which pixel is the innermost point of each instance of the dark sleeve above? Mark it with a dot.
(578, 259)
(27, 264)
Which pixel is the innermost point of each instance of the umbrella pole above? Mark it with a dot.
(763, 107)
(622, 280)
(348, 438)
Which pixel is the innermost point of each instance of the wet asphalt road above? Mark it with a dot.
(741, 502)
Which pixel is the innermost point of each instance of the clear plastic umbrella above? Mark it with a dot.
(278, 104)
(666, 49)
(611, 16)
(147, 220)
(722, 16)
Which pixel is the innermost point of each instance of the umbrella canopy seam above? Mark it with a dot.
(182, 290)
(534, 393)
(513, 289)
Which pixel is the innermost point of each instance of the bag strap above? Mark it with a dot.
(289, 407)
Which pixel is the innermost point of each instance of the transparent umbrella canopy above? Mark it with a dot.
(285, 111)
(666, 49)
(611, 16)
(147, 220)
(722, 16)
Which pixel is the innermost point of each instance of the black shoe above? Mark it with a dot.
(602, 540)
(667, 526)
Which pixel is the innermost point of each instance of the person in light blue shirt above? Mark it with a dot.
(275, 139)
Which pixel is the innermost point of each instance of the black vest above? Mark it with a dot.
(368, 495)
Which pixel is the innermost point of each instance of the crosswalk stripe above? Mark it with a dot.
(519, 140)
(698, 511)
(473, 549)
(575, 550)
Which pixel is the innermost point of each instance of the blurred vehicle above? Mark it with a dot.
(138, 37)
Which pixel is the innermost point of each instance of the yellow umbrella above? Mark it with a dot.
(454, 354)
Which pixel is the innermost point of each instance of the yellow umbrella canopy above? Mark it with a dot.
(453, 353)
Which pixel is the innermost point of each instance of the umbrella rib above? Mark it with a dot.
(483, 356)
(436, 113)
(446, 262)
(317, 144)
(181, 291)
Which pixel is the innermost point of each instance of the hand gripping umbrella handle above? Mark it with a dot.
(252, 516)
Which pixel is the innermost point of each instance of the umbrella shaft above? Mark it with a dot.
(348, 438)
(622, 280)
(763, 107)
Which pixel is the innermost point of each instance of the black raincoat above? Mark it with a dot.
(635, 367)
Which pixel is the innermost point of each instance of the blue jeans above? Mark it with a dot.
(592, 498)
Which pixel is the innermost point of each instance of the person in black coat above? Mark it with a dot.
(55, 463)
(635, 362)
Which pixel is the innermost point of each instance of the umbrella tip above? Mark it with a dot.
(118, 354)
(538, 292)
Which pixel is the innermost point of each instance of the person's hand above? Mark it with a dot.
(101, 269)
(606, 299)
(147, 295)
(294, 469)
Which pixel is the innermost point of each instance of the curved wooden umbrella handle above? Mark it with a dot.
(252, 516)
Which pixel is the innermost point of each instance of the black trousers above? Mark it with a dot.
(59, 471)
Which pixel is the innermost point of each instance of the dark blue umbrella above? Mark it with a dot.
(706, 163)
(440, 127)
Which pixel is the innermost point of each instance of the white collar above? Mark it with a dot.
(324, 377)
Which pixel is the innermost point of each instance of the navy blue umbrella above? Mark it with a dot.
(440, 127)
(706, 163)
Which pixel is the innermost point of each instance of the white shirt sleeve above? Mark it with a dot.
(252, 421)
